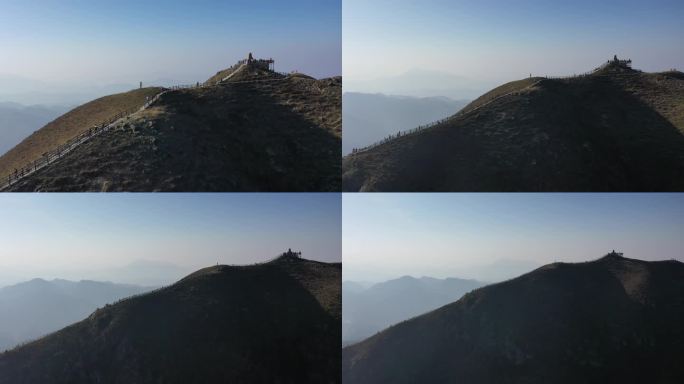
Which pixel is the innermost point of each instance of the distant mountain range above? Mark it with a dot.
(366, 311)
(421, 82)
(276, 322)
(613, 320)
(141, 272)
(35, 308)
(28, 91)
(616, 129)
(367, 117)
(18, 121)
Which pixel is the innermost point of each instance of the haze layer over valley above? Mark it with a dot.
(75, 53)
(367, 310)
(369, 117)
(35, 308)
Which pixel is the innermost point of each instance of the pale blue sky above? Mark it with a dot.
(490, 41)
(82, 43)
(475, 235)
(67, 232)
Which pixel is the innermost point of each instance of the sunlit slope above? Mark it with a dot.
(71, 125)
(242, 72)
(500, 91)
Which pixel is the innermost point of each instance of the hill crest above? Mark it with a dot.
(284, 134)
(613, 129)
(258, 323)
(561, 323)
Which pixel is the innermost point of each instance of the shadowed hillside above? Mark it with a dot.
(613, 320)
(276, 322)
(256, 131)
(616, 129)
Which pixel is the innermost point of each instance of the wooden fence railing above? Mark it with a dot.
(55, 154)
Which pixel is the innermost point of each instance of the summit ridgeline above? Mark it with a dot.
(611, 129)
(248, 128)
(611, 320)
(246, 70)
(275, 322)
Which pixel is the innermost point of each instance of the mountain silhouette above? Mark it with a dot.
(370, 310)
(615, 129)
(276, 322)
(245, 129)
(612, 320)
(37, 307)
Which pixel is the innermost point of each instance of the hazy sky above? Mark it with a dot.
(53, 235)
(67, 44)
(483, 43)
(478, 235)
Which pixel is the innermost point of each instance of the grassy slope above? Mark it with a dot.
(242, 73)
(621, 133)
(261, 324)
(276, 136)
(70, 125)
(603, 321)
(220, 75)
(510, 87)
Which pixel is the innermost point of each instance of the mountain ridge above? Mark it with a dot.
(269, 322)
(257, 131)
(612, 319)
(612, 130)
